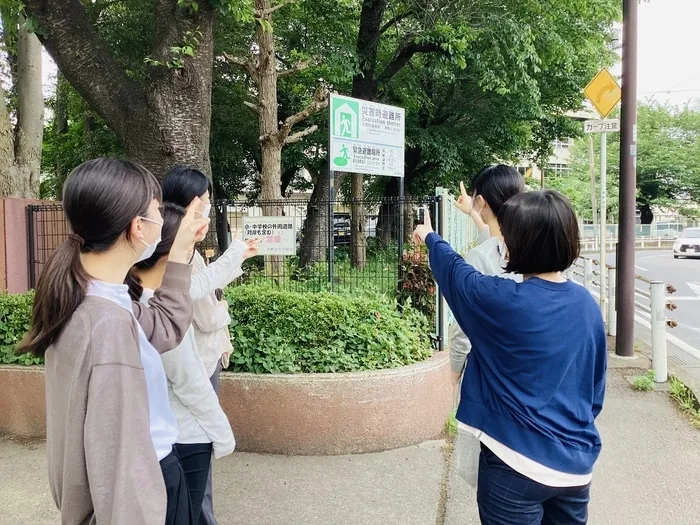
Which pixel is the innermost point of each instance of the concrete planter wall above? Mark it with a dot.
(302, 414)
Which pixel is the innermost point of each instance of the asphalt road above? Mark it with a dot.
(684, 275)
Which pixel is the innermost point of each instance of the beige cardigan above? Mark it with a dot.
(102, 465)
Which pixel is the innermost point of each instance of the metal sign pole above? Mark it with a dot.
(402, 205)
(331, 247)
(603, 217)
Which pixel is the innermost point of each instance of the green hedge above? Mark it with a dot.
(276, 331)
(15, 312)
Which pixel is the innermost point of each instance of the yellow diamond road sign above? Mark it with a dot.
(604, 92)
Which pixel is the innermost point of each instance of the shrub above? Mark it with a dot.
(285, 332)
(15, 314)
(278, 331)
(417, 285)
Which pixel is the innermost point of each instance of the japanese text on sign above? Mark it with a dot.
(601, 126)
(366, 137)
(277, 235)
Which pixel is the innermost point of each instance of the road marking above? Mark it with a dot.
(655, 256)
(694, 287)
(639, 267)
(682, 345)
(672, 299)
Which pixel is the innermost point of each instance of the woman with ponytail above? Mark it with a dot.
(108, 418)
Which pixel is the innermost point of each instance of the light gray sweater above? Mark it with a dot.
(101, 461)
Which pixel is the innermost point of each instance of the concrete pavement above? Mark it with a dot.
(648, 473)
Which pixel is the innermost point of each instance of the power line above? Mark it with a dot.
(670, 91)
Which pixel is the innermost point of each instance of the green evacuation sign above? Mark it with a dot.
(366, 137)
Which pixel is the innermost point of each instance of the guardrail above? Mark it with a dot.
(592, 244)
(585, 270)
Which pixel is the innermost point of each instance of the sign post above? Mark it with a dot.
(367, 138)
(604, 93)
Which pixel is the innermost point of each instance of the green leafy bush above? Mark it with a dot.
(278, 331)
(417, 285)
(285, 332)
(15, 313)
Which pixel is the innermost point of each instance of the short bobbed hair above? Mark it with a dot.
(540, 231)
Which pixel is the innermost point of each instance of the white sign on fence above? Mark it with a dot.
(278, 235)
(366, 137)
(602, 126)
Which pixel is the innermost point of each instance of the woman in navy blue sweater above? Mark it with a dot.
(535, 377)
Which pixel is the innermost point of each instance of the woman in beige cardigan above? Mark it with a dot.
(109, 430)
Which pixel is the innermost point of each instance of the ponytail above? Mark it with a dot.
(134, 283)
(61, 288)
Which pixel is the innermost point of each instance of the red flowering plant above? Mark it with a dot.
(416, 284)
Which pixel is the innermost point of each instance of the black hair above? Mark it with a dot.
(496, 184)
(540, 231)
(101, 198)
(172, 217)
(182, 184)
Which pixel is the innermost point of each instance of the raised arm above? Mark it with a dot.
(170, 314)
(456, 278)
(220, 273)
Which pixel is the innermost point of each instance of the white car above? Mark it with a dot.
(687, 244)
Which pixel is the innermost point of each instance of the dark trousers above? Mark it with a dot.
(207, 515)
(196, 459)
(179, 510)
(506, 497)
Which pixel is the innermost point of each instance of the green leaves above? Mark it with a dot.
(275, 331)
(15, 313)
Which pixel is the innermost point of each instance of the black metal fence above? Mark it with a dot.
(323, 257)
(338, 246)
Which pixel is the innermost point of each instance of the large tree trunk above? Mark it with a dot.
(271, 148)
(20, 149)
(364, 86)
(314, 243)
(162, 123)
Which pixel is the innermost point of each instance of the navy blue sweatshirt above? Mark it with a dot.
(535, 377)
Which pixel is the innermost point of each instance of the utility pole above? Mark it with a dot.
(591, 163)
(603, 218)
(628, 183)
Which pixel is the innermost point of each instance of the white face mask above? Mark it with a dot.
(207, 210)
(151, 248)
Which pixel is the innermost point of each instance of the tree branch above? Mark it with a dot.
(395, 20)
(267, 12)
(244, 63)
(296, 137)
(402, 57)
(86, 63)
(295, 68)
(320, 101)
(252, 106)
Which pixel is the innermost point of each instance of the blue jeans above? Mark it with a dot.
(506, 497)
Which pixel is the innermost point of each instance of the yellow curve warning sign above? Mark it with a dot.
(604, 92)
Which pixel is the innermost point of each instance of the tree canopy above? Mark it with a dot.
(481, 80)
(668, 163)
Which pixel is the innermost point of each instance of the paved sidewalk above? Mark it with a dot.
(649, 473)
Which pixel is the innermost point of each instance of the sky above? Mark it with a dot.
(669, 42)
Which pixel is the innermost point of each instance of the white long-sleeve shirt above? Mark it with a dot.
(211, 318)
(200, 418)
